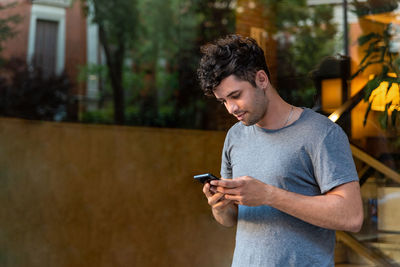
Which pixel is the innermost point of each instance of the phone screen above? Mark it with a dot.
(205, 178)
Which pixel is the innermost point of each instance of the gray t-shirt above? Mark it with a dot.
(309, 157)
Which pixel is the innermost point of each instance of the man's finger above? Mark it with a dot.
(233, 198)
(213, 189)
(222, 203)
(228, 183)
(215, 198)
(206, 190)
(230, 191)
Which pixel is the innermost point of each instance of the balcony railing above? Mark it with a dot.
(58, 3)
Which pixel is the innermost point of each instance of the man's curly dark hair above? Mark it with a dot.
(233, 54)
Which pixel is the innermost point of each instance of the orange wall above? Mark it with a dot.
(84, 195)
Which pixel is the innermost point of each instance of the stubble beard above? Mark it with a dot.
(255, 116)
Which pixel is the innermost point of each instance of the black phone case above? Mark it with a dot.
(205, 178)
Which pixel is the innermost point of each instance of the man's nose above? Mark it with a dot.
(231, 107)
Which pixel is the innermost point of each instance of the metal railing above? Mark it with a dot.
(373, 255)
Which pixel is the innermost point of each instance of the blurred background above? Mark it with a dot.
(103, 123)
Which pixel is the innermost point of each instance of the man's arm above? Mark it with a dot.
(338, 209)
(224, 210)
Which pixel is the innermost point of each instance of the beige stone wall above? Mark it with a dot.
(79, 195)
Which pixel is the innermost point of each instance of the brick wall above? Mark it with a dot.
(75, 49)
(17, 46)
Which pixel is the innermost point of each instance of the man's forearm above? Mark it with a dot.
(332, 210)
(338, 209)
(226, 217)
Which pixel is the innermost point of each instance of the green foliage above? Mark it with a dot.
(167, 50)
(132, 82)
(159, 69)
(158, 33)
(378, 53)
(27, 93)
(118, 24)
(98, 70)
(116, 21)
(305, 35)
(374, 6)
(103, 116)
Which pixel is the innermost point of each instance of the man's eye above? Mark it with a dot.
(236, 96)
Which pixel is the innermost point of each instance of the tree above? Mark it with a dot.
(305, 35)
(159, 83)
(117, 22)
(167, 52)
(6, 25)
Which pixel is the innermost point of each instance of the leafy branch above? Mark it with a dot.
(378, 52)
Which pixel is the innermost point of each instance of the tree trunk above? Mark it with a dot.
(115, 67)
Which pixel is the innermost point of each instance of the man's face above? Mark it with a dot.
(247, 103)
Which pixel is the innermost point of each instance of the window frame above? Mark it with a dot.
(56, 14)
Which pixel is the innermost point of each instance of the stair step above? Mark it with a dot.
(391, 250)
(353, 265)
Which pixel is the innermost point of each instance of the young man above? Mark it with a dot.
(288, 177)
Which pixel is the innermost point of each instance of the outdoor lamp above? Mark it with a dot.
(331, 81)
(330, 78)
(331, 94)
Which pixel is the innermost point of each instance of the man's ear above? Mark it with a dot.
(261, 79)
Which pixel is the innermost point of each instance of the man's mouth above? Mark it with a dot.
(240, 115)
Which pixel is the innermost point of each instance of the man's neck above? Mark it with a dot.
(278, 113)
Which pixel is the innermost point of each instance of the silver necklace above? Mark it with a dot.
(288, 118)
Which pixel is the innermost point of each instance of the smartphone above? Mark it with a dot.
(205, 178)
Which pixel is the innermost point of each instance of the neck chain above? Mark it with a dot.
(288, 118)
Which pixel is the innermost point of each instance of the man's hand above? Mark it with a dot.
(215, 199)
(244, 190)
(224, 210)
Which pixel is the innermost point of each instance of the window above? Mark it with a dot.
(46, 46)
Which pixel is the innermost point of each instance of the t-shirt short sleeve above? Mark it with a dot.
(226, 167)
(333, 162)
